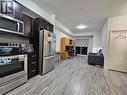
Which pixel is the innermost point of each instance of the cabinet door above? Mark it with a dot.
(67, 42)
(42, 24)
(32, 65)
(73, 43)
(18, 10)
(11, 8)
(27, 25)
(47, 26)
(64, 43)
(51, 28)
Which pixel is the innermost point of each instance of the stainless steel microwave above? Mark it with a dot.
(11, 25)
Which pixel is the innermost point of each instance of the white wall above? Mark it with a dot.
(59, 35)
(96, 37)
(104, 42)
(89, 39)
(90, 44)
(112, 24)
(104, 39)
(117, 23)
(82, 42)
(62, 28)
(61, 31)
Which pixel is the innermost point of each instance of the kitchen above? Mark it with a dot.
(27, 45)
(62, 47)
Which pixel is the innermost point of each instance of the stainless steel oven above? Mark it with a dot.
(10, 65)
(13, 67)
(11, 25)
(9, 49)
(13, 72)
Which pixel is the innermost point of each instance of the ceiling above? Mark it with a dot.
(92, 13)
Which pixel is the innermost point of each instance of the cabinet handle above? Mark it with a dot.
(33, 71)
(33, 63)
(33, 56)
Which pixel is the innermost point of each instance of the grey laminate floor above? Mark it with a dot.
(75, 77)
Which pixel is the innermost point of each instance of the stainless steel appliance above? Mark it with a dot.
(46, 51)
(13, 72)
(11, 25)
(9, 49)
(13, 67)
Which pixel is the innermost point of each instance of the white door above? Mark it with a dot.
(118, 51)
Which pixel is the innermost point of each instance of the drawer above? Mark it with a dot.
(32, 67)
(33, 62)
(32, 57)
(32, 74)
(33, 71)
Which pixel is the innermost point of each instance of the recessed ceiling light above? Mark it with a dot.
(81, 26)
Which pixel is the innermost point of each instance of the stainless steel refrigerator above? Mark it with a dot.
(46, 51)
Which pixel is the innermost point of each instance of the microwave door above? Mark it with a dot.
(11, 25)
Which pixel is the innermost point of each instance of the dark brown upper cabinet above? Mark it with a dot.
(17, 10)
(28, 25)
(11, 8)
(43, 24)
(49, 26)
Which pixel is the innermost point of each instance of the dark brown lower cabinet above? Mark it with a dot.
(32, 65)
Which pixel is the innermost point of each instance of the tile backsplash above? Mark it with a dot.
(12, 39)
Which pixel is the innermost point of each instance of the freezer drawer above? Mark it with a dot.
(48, 64)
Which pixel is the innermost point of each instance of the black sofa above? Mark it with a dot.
(96, 59)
